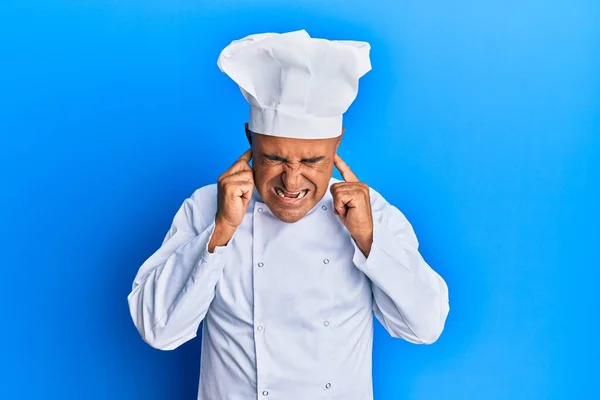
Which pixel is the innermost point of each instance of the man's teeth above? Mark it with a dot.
(297, 195)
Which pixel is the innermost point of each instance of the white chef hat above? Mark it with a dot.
(297, 86)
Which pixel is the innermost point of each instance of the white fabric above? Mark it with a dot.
(287, 308)
(297, 86)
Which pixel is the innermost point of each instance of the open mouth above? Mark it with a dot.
(290, 196)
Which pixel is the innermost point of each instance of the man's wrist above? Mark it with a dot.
(222, 234)
(364, 243)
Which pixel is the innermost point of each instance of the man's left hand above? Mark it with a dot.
(352, 204)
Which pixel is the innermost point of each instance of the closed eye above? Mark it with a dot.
(312, 160)
(276, 158)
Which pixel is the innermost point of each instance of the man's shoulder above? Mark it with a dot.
(206, 192)
(204, 200)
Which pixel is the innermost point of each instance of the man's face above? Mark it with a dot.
(291, 175)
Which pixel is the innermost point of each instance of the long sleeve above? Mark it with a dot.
(410, 298)
(173, 288)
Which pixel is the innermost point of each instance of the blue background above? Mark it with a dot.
(480, 120)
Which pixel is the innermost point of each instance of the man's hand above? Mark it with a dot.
(352, 204)
(235, 187)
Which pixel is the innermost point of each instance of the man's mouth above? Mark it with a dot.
(290, 195)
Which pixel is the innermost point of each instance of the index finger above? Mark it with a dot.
(247, 156)
(344, 169)
(241, 164)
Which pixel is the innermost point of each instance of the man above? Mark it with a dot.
(285, 265)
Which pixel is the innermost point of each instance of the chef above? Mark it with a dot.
(285, 265)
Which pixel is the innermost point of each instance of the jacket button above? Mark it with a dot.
(261, 264)
(328, 385)
(326, 261)
(265, 393)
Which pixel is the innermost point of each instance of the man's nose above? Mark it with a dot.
(291, 178)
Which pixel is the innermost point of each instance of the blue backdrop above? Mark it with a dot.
(480, 120)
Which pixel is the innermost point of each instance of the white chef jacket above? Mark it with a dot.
(287, 307)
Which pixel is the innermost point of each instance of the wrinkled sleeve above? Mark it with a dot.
(410, 298)
(174, 287)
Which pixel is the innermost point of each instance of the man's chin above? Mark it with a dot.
(289, 215)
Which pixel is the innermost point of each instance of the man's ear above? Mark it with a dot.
(248, 134)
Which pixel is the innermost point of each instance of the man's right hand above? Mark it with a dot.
(235, 187)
